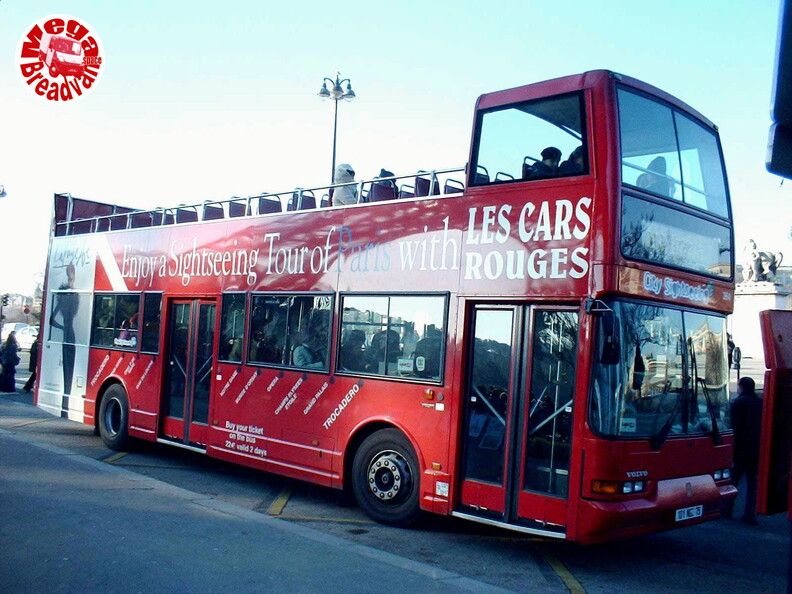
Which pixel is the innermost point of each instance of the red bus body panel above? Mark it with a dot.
(471, 248)
(775, 451)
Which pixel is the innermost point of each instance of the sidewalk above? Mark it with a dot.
(71, 523)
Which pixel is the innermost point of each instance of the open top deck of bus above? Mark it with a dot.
(75, 216)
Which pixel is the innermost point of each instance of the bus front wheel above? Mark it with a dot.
(385, 478)
(114, 418)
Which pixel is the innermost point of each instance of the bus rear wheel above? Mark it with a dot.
(114, 418)
(385, 478)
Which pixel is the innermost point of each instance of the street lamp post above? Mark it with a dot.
(336, 93)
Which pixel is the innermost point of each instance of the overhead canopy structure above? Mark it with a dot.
(779, 150)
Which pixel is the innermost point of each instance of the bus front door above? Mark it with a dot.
(188, 376)
(518, 415)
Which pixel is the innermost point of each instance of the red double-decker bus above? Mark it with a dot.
(539, 345)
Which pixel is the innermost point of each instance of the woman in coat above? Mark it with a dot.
(9, 360)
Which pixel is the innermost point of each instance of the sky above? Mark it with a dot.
(207, 100)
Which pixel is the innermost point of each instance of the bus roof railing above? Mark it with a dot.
(367, 191)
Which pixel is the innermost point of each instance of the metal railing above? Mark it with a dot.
(294, 200)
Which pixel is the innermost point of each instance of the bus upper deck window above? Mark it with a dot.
(532, 140)
(669, 154)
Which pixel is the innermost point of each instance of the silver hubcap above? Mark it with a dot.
(389, 477)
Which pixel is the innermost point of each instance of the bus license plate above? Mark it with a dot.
(688, 513)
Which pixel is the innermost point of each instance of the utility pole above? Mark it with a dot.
(336, 93)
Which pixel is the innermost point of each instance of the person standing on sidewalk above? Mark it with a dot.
(10, 360)
(33, 365)
(746, 417)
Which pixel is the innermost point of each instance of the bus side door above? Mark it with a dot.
(517, 432)
(189, 370)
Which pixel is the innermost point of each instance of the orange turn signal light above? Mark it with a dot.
(605, 487)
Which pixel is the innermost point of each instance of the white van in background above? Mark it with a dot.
(26, 337)
(10, 327)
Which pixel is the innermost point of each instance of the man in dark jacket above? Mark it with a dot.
(32, 365)
(746, 418)
(547, 167)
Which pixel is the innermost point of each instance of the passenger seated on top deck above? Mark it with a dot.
(548, 166)
(576, 163)
(385, 173)
(656, 180)
(345, 194)
(352, 355)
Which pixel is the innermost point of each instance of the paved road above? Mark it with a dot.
(721, 556)
(71, 524)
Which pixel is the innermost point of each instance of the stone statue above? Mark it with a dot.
(758, 265)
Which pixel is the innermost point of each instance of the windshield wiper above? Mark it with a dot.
(716, 437)
(656, 440)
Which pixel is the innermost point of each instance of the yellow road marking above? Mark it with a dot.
(570, 581)
(276, 507)
(331, 520)
(115, 457)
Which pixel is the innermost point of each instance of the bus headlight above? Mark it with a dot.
(633, 487)
(722, 474)
(615, 487)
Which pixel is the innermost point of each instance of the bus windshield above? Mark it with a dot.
(669, 154)
(670, 376)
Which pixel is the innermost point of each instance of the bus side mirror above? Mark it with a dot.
(610, 349)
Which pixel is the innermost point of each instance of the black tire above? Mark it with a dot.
(386, 479)
(114, 418)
